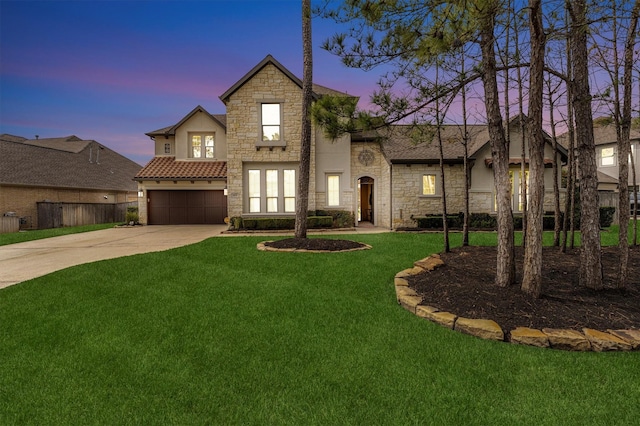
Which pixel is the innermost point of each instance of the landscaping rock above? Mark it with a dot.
(483, 328)
(405, 291)
(529, 336)
(568, 340)
(601, 341)
(423, 310)
(429, 263)
(409, 272)
(630, 336)
(409, 302)
(445, 319)
(400, 282)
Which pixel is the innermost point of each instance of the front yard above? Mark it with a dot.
(221, 333)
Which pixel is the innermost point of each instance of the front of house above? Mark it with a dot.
(245, 163)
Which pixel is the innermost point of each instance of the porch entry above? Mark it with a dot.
(365, 199)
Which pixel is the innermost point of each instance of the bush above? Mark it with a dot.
(341, 218)
(275, 223)
(606, 216)
(132, 217)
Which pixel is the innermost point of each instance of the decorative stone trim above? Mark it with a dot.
(563, 339)
(262, 247)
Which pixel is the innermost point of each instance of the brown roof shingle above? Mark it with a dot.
(167, 168)
(65, 163)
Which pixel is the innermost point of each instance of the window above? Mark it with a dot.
(202, 145)
(428, 184)
(167, 148)
(271, 190)
(271, 122)
(254, 191)
(632, 153)
(333, 190)
(289, 191)
(607, 156)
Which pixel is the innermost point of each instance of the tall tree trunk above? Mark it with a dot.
(505, 267)
(590, 254)
(532, 272)
(523, 146)
(443, 187)
(568, 223)
(302, 204)
(557, 216)
(467, 171)
(624, 149)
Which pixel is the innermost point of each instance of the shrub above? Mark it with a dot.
(132, 217)
(606, 216)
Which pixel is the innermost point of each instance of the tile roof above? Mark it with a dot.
(67, 162)
(168, 168)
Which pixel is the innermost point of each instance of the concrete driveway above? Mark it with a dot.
(32, 259)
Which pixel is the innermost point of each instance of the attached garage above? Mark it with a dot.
(186, 207)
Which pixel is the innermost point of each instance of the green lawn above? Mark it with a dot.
(22, 236)
(221, 333)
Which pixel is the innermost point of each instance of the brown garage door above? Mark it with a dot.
(186, 207)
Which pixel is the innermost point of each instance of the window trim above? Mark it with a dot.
(339, 190)
(271, 143)
(203, 147)
(435, 185)
(613, 156)
(263, 195)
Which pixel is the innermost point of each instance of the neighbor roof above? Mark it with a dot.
(67, 162)
(167, 168)
(602, 134)
(318, 90)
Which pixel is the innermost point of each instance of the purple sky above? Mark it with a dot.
(113, 70)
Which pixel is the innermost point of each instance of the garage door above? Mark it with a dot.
(186, 207)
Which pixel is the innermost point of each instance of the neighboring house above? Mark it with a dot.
(245, 163)
(607, 155)
(61, 170)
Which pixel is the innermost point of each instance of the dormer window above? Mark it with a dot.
(201, 145)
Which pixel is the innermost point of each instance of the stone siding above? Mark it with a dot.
(379, 170)
(243, 109)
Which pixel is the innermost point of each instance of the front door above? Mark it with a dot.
(365, 199)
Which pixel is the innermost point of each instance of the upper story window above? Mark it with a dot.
(271, 122)
(167, 148)
(608, 156)
(201, 145)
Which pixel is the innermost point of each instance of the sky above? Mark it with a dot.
(113, 70)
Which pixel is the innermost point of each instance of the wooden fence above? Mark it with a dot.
(9, 224)
(57, 215)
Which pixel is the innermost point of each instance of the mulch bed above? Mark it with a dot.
(465, 286)
(319, 244)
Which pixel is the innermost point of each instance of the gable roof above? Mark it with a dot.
(221, 119)
(167, 168)
(318, 90)
(67, 162)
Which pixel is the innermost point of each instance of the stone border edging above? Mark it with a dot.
(564, 339)
(262, 247)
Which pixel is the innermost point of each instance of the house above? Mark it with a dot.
(61, 170)
(244, 163)
(607, 154)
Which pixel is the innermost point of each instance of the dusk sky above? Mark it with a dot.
(114, 70)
